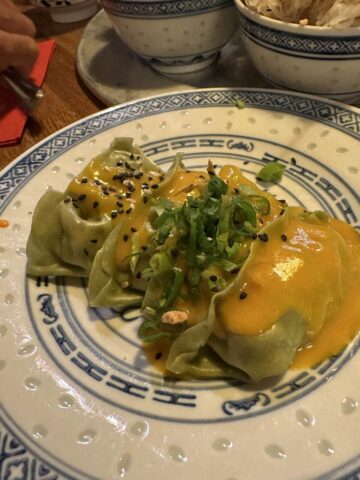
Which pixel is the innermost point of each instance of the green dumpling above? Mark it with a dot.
(257, 324)
(69, 228)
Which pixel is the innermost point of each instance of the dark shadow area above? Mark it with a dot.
(46, 27)
(34, 126)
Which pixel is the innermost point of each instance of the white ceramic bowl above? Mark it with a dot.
(68, 11)
(174, 36)
(320, 60)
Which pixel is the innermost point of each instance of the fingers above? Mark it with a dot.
(13, 21)
(17, 46)
(18, 51)
(9, 4)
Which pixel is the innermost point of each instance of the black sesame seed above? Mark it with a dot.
(94, 240)
(243, 295)
(246, 162)
(158, 356)
(119, 164)
(105, 192)
(128, 211)
(137, 176)
(112, 189)
(216, 289)
(67, 200)
(213, 278)
(95, 204)
(127, 194)
(236, 190)
(283, 237)
(126, 238)
(293, 161)
(150, 179)
(145, 199)
(119, 204)
(141, 174)
(86, 252)
(132, 156)
(121, 211)
(97, 182)
(115, 177)
(84, 180)
(263, 237)
(254, 236)
(82, 196)
(114, 214)
(282, 212)
(161, 178)
(144, 185)
(282, 200)
(138, 275)
(133, 229)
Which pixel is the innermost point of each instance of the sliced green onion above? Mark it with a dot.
(242, 211)
(150, 332)
(173, 290)
(224, 221)
(240, 104)
(215, 188)
(260, 203)
(272, 172)
(158, 263)
(227, 265)
(191, 250)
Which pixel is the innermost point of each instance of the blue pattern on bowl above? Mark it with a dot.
(300, 45)
(163, 8)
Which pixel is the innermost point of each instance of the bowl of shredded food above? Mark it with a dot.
(312, 46)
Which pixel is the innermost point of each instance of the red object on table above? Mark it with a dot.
(12, 119)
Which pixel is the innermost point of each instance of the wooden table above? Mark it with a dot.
(66, 98)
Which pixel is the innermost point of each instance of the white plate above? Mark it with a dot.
(79, 399)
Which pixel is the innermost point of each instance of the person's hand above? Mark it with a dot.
(18, 48)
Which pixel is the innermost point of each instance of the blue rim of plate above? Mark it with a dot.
(328, 112)
(19, 172)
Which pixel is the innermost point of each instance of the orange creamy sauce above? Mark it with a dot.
(297, 264)
(4, 223)
(343, 326)
(157, 354)
(305, 273)
(133, 212)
